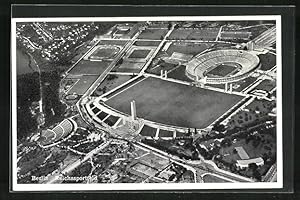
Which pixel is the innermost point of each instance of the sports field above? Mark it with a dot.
(221, 70)
(105, 52)
(188, 47)
(179, 74)
(146, 43)
(266, 85)
(90, 67)
(153, 34)
(173, 103)
(139, 53)
(83, 84)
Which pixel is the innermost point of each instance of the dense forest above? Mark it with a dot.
(27, 92)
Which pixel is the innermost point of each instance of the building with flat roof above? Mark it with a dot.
(245, 163)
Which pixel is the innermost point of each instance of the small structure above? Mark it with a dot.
(133, 110)
(245, 160)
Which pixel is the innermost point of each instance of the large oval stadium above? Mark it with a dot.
(222, 66)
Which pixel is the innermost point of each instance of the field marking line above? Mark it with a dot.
(118, 87)
(68, 70)
(236, 109)
(127, 87)
(252, 86)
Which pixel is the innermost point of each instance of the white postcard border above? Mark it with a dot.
(146, 186)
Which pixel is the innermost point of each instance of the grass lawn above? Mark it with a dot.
(154, 161)
(204, 34)
(90, 67)
(267, 61)
(154, 34)
(173, 103)
(83, 84)
(103, 52)
(179, 73)
(266, 85)
(129, 66)
(180, 34)
(243, 83)
(110, 84)
(208, 178)
(188, 47)
(146, 43)
(139, 53)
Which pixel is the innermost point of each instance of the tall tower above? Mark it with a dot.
(133, 110)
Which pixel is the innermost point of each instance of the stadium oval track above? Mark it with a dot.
(198, 67)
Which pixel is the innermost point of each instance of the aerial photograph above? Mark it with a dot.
(101, 102)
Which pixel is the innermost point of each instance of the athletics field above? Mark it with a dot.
(173, 103)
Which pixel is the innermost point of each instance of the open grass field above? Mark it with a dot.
(204, 34)
(129, 66)
(105, 52)
(209, 178)
(173, 103)
(188, 47)
(155, 161)
(139, 53)
(83, 84)
(267, 61)
(242, 84)
(146, 43)
(180, 34)
(110, 83)
(90, 67)
(266, 85)
(153, 34)
(179, 74)
(147, 170)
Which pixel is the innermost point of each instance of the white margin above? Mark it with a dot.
(147, 186)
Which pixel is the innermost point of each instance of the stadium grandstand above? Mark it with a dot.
(60, 131)
(241, 62)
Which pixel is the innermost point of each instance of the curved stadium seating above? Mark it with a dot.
(202, 63)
